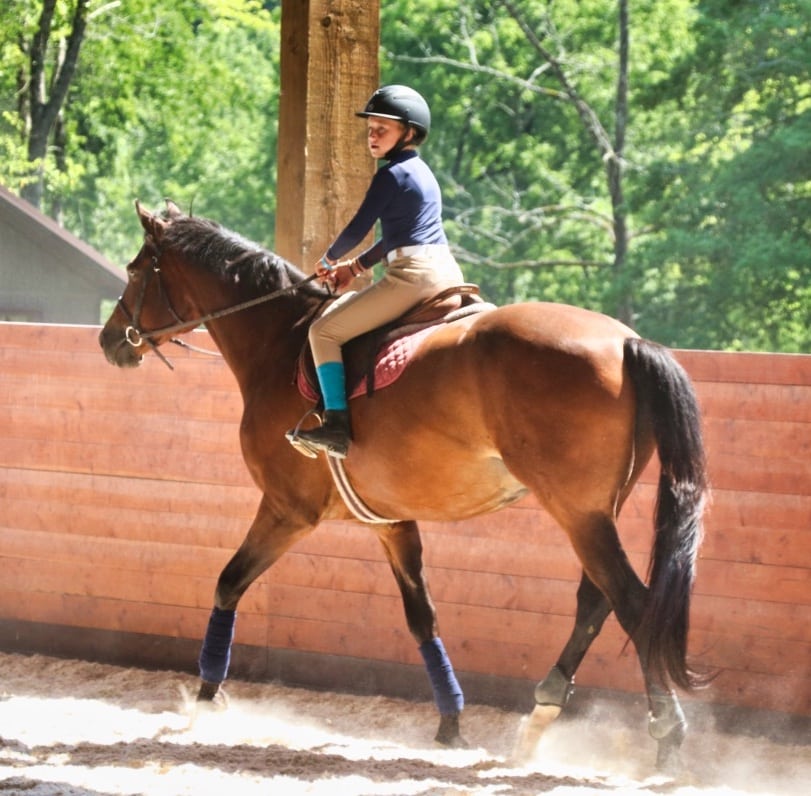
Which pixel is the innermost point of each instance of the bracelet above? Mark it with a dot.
(324, 263)
(352, 265)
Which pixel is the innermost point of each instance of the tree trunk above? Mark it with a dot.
(610, 153)
(624, 311)
(46, 98)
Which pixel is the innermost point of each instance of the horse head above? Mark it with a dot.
(191, 271)
(154, 303)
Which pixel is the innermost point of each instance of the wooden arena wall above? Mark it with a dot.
(123, 494)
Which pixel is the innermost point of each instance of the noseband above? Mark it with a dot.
(132, 334)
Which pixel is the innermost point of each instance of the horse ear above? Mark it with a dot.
(172, 209)
(152, 225)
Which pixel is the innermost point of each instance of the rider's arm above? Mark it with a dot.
(380, 192)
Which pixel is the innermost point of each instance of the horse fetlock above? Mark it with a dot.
(668, 755)
(208, 691)
(211, 697)
(556, 689)
(666, 718)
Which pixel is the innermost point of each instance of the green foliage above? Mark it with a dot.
(730, 194)
(181, 100)
(174, 100)
(193, 117)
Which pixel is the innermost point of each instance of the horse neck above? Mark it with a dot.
(263, 339)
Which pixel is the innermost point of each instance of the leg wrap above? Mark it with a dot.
(555, 689)
(665, 715)
(447, 692)
(215, 656)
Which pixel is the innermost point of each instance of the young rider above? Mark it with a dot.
(405, 197)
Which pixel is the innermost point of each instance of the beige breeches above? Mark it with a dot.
(406, 282)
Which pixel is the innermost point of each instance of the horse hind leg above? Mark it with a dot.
(607, 566)
(608, 583)
(554, 691)
(403, 548)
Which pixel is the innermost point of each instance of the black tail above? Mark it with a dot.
(665, 396)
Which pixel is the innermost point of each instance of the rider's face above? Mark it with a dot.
(382, 134)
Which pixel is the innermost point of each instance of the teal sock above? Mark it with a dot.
(332, 380)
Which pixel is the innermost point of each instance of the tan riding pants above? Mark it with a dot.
(412, 275)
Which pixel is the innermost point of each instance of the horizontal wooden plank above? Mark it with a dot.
(489, 568)
(133, 617)
(121, 429)
(216, 515)
(754, 581)
(102, 458)
(766, 402)
(765, 439)
(701, 365)
(607, 664)
(762, 618)
(745, 367)
(304, 586)
(73, 353)
(90, 397)
(146, 495)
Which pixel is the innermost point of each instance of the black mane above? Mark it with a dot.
(232, 257)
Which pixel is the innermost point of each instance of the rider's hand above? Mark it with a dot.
(324, 269)
(344, 272)
(337, 274)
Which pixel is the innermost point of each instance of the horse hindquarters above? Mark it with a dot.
(656, 619)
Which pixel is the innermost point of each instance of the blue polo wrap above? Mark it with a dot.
(447, 691)
(215, 656)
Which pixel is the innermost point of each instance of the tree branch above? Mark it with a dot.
(479, 68)
(587, 115)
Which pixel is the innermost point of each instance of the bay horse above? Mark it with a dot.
(557, 400)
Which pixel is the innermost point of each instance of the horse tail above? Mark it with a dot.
(666, 399)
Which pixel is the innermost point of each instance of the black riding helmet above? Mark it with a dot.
(405, 105)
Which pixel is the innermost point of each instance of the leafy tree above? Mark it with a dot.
(531, 139)
(49, 40)
(729, 197)
(714, 162)
(192, 115)
(680, 201)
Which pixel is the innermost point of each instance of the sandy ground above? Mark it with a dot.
(71, 728)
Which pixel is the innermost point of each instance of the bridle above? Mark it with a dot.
(137, 337)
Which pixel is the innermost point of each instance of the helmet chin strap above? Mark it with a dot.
(402, 142)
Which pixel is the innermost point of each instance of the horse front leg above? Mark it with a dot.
(266, 541)
(403, 548)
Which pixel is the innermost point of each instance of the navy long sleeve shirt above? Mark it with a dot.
(405, 196)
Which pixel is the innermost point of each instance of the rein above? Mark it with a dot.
(135, 337)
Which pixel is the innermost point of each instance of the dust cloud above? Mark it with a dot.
(72, 728)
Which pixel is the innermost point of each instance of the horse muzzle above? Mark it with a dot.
(120, 347)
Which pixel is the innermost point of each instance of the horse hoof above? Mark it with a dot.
(530, 731)
(448, 733)
(668, 757)
(211, 697)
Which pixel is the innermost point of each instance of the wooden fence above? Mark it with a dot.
(123, 493)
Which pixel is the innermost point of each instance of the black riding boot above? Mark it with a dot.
(333, 436)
